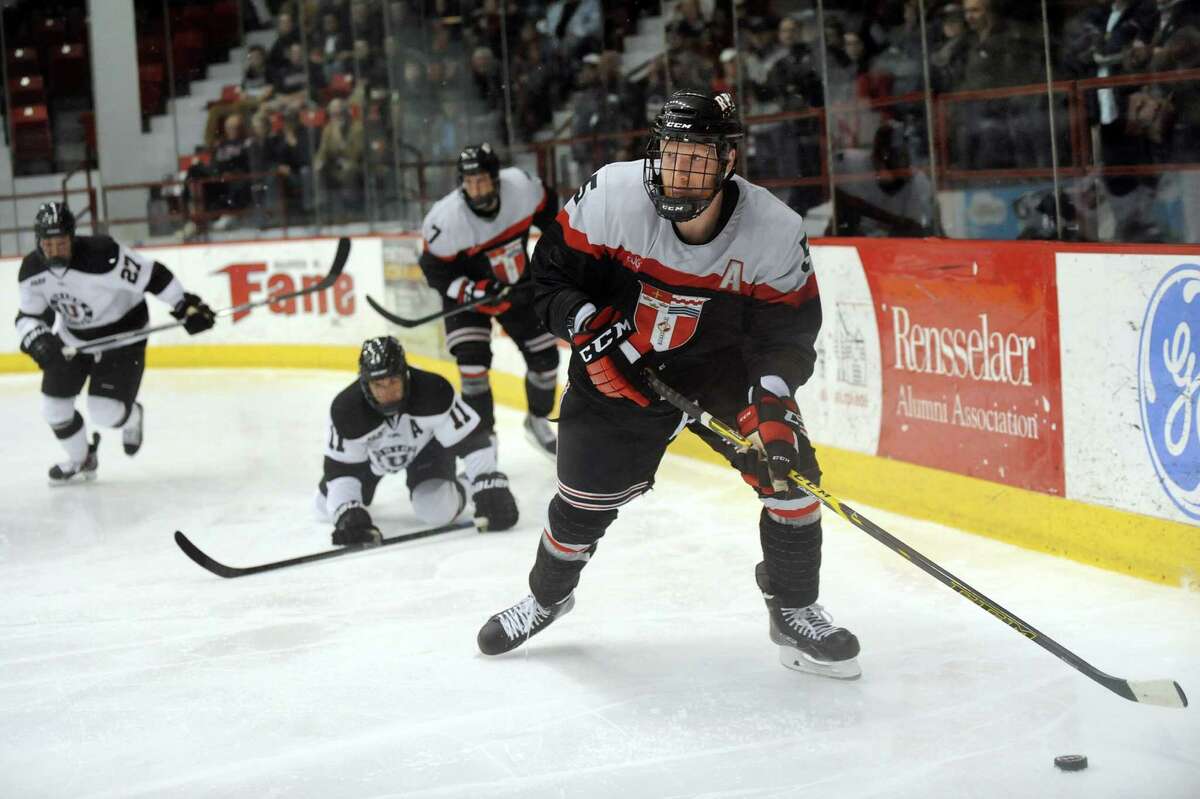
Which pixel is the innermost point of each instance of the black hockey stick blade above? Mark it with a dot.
(222, 570)
(1166, 693)
(433, 317)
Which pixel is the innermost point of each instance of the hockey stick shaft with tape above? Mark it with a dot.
(1166, 693)
(335, 271)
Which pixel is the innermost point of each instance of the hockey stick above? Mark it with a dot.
(335, 271)
(221, 570)
(400, 320)
(1166, 693)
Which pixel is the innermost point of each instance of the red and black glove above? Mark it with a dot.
(464, 291)
(603, 344)
(781, 443)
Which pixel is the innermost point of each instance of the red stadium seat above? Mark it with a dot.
(150, 49)
(223, 26)
(231, 93)
(185, 161)
(341, 84)
(27, 90)
(23, 61)
(187, 51)
(32, 139)
(151, 80)
(70, 74)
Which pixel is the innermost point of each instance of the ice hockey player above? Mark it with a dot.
(475, 244)
(395, 418)
(708, 281)
(97, 288)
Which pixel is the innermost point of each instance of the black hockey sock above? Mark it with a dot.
(484, 405)
(564, 549)
(539, 392)
(793, 559)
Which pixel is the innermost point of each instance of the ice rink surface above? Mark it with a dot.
(126, 670)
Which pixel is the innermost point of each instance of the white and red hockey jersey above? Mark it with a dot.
(459, 242)
(741, 306)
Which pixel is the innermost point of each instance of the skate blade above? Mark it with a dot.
(77, 479)
(796, 660)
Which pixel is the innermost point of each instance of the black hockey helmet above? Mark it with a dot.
(699, 118)
(54, 219)
(382, 357)
(478, 159)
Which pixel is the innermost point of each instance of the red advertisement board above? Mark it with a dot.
(969, 349)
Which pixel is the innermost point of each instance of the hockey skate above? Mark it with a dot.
(131, 433)
(808, 640)
(510, 628)
(69, 472)
(539, 433)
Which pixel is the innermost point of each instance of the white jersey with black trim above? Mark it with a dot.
(761, 252)
(359, 437)
(102, 292)
(451, 230)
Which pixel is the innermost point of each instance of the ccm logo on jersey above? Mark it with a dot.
(606, 340)
(246, 284)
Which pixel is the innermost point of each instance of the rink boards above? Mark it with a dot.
(1046, 395)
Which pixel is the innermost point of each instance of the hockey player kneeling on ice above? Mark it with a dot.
(475, 240)
(707, 280)
(97, 288)
(395, 418)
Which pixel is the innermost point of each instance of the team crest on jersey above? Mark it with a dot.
(75, 311)
(508, 261)
(667, 320)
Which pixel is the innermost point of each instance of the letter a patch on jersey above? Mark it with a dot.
(667, 320)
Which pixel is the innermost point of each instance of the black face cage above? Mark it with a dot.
(691, 197)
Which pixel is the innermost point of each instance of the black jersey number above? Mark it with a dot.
(591, 184)
(437, 231)
(458, 415)
(131, 270)
(336, 442)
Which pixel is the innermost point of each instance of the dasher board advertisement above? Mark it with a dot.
(968, 335)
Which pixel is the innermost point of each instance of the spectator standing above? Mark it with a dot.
(338, 161)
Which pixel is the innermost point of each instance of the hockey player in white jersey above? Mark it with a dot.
(475, 244)
(676, 264)
(393, 419)
(97, 288)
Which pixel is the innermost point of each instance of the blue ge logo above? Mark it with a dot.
(1169, 385)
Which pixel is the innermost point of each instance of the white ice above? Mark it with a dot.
(126, 670)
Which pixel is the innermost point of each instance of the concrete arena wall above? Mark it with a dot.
(1043, 394)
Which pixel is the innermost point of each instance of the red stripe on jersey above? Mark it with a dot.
(795, 513)
(577, 240)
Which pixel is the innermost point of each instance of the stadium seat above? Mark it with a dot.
(27, 90)
(150, 48)
(224, 29)
(151, 81)
(341, 84)
(187, 53)
(23, 61)
(32, 139)
(312, 117)
(70, 74)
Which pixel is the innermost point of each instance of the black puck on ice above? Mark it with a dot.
(1071, 762)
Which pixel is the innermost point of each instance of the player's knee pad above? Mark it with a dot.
(474, 360)
(437, 502)
(107, 412)
(59, 412)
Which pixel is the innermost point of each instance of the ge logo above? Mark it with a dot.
(1169, 385)
(77, 312)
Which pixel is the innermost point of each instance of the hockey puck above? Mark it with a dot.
(1071, 762)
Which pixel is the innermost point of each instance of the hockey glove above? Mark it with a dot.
(781, 443)
(495, 505)
(603, 344)
(463, 290)
(44, 347)
(354, 526)
(196, 315)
